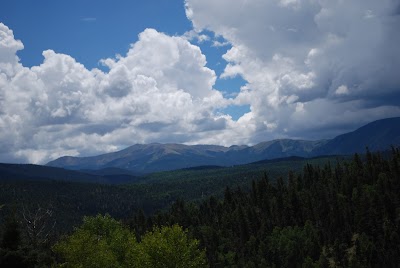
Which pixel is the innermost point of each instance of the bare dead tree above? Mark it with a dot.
(39, 224)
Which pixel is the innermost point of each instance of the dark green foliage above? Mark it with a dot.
(11, 237)
(70, 201)
(10, 253)
(16, 247)
(345, 214)
(323, 213)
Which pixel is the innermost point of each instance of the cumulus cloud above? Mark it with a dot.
(314, 69)
(159, 91)
(310, 66)
(9, 46)
(196, 36)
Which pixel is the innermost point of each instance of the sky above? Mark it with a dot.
(85, 77)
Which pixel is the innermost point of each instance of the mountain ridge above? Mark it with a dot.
(153, 157)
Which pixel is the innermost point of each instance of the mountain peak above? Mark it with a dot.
(144, 158)
(377, 135)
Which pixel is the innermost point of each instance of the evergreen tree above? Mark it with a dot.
(11, 254)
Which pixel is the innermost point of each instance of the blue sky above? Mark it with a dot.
(87, 77)
(91, 30)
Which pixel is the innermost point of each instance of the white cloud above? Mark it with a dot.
(217, 43)
(159, 91)
(8, 48)
(342, 90)
(196, 36)
(308, 62)
(313, 69)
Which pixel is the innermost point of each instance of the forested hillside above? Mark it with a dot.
(70, 200)
(338, 214)
(342, 215)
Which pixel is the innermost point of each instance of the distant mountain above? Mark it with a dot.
(146, 158)
(377, 136)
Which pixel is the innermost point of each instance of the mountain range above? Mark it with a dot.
(146, 158)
